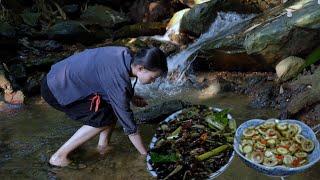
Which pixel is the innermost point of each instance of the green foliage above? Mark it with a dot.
(163, 158)
(220, 117)
(313, 57)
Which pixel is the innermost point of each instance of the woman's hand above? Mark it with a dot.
(139, 101)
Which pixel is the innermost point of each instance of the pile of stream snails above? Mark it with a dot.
(195, 144)
(275, 143)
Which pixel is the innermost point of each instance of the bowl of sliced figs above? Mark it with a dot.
(277, 147)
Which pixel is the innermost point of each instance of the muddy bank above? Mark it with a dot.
(296, 99)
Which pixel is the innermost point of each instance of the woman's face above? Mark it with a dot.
(146, 77)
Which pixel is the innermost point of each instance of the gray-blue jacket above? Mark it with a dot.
(104, 70)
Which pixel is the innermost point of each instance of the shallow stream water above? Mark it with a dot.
(29, 136)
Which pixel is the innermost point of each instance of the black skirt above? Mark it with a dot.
(80, 109)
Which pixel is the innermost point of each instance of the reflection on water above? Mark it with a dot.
(30, 136)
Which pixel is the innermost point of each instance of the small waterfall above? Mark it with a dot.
(179, 64)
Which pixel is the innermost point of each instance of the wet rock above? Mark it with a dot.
(103, 16)
(68, 31)
(275, 41)
(140, 29)
(198, 19)
(271, 36)
(157, 113)
(289, 68)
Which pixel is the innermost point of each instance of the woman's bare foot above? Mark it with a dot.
(60, 161)
(104, 149)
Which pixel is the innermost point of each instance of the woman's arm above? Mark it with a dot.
(137, 142)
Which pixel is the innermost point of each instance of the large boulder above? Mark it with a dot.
(268, 38)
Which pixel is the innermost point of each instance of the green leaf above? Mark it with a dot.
(313, 57)
(163, 158)
(222, 116)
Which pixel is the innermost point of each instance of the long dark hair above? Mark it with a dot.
(153, 59)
